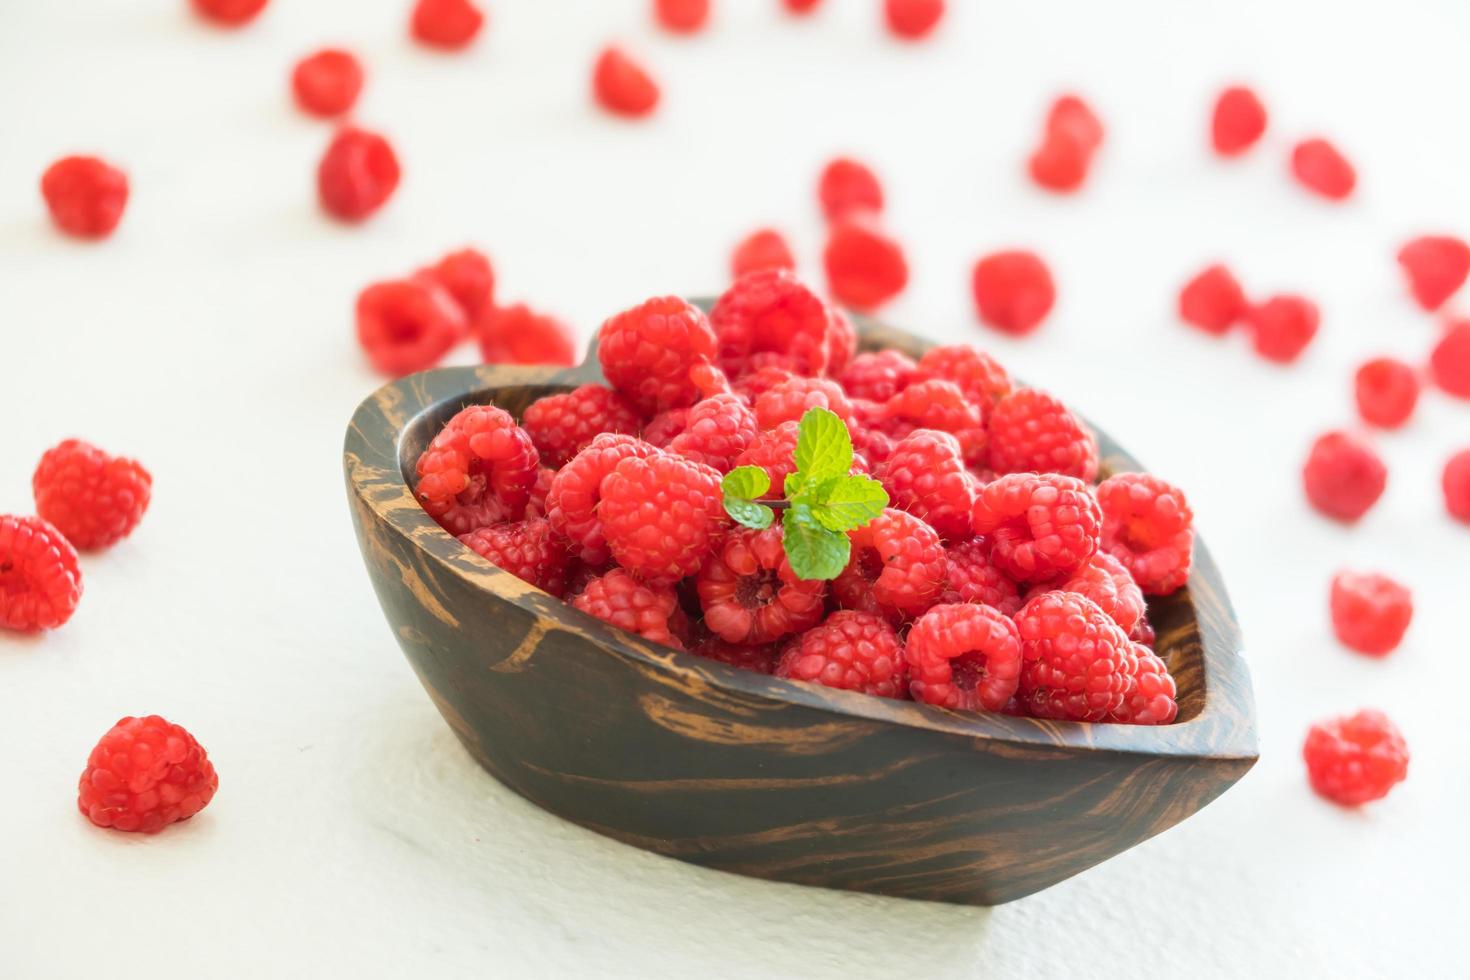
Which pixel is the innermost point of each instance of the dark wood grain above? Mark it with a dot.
(763, 776)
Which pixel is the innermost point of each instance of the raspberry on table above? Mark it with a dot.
(1013, 291)
(145, 774)
(91, 497)
(1040, 525)
(1322, 169)
(1343, 476)
(622, 86)
(407, 325)
(447, 24)
(1030, 431)
(941, 405)
(357, 174)
(1282, 327)
(1071, 136)
(573, 502)
(771, 311)
(1148, 526)
(528, 549)
(848, 187)
(467, 276)
(85, 195)
(898, 567)
(40, 582)
(717, 431)
(1150, 695)
(479, 470)
(327, 82)
(761, 659)
(973, 577)
(661, 514)
(1449, 362)
(1386, 391)
(749, 593)
(1238, 122)
(1436, 266)
(926, 476)
(618, 598)
(979, 376)
(681, 16)
(1455, 483)
(1370, 612)
(229, 13)
(1076, 664)
(519, 335)
(1109, 583)
(851, 651)
(878, 375)
(647, 352)
(764, 248)
(1356, 758)
(1213, 300)
(912, 19)
(790, 400)
(865, 266)
(964, 657)
(562, 425)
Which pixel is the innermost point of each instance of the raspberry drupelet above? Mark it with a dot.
(764, 248)
(1343, 476)
(1213, 300)
(1356, 758)
(865, 266)
(851, 650)
(1031, 431)
(564, 424)
(145, 774)
(1436, 266)
(647, 353)
(1238, 122)
(660, 515)
(790, 400)
(40, 581)
(1107, 582)
(1386, 391)
(717, 431)
(528, 549)
(749, 593)
(979, 376)
(847, 187)
(572, 502)
(1148, 526)
(620, 599)
(926, 476)
(1013, 291)
(771, 311)
(1370, 612)
(407, 325)
(357, 174)
(1040, 525)
(91, 497)
(965, 657)
(973, 577)
(85, 195)
(479, 470)
(878, 375)
(622, 86)
(897, 568)
(1076, 663)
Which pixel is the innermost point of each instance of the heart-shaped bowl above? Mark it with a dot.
(758, 775)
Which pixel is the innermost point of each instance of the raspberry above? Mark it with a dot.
(519, 335)
(660, 515)
(1032, 431)
(1449, 362)
(964, 657)
(467, 276)
(1343, 476)
(536, 506)
(979, 376)
(681, 16)
(94, 499)
(621, 85)
(718, 430)
(761, 659)
(1106, 581)
(572, 503)
(841, 341)
(479, 470)
(327, 83)
(1436, 267)
(926, 476)
(973, 578)
(1355, 758)
(761, 249)
(848, 187)
(447, 24)
(1013, 291)
(85, 196)
(1041, 525)
(1320, 168)
(852, 651)
(1282, 326)
(1386, 390)
(1456, 485)
(790, 400)
(1212, 300)
(912, 19)
(750, 594)
(774, 451)
(40, 583)
(1149, 697)
(1072, 134)
(145, 774)
(898, 567)
(663, 427)
(800, 7)
(1076, 663)
(527, 549)
(229, 13)
(871, 443)
(1370, 612)
(940, 405)
(1238, 122)
(865, 267)
(878, 375)
(357, 175)
(769, 310)
(406, 325)
(647, 353)
(1148, 526)
(563, 425)
(1072, 117)
(620, 599)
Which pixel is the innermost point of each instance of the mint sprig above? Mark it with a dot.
(823, 498)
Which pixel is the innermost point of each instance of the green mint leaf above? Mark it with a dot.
(823, 447)
(813, 551)
(846, 503)
(749, 513)
(746, 482)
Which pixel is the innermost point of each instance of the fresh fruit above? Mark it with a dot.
(145, 774)
(446, 24)
(1356, 758)
(765, 248)
(1282, 327)
(479, 470)
(91, 497)
(965, 657)
(407, 325)
(847, 187)
(1370, 612)
(357, 174)
(853, 651)
(1031, 431)
(1076, 664)
(1456, 485)
(619, 598)
(85, 195)
(40, 583)
(1238, 121)
(1322, 169)
(1212, 300)
(622, 86)
(749, 593)
(1040, 525)
(1343, 476)
(327, 82)
(1148, 526)
(1449, 362)
(1386, 391)
(1013, 291)
(527, 549)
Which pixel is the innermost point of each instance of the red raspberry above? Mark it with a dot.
(764, 248)
(790, 400)
(1386, 390)
(769, 310)
(848, 187)
(536, 506)
(1238, 122)
(681, 16)
(1370, 612)
(1149, 698)
(719, 429)
(800, 7)
(527, 549)
(145, 774)
(898, 567)
(563, 425)
(1343, 476)
(407, 325)
(754, 383)
(572, 503)
(1456, 485)
(1320, 168)
(878, 375)
(1013, 291)
(519, 335)
(1106, 581)
(1072, 117)
(229, 13)
(94, 499)
(940, 405)
(622, 86)
(912, 19)
(85, 196)
(1041, 525)
(750, 594)
(1212, 300)
(865, 267)
(1282, 327)
(479, 470)
(40, 583)
(663, 427)
(1436, 267)
(974, 578)
(852, 651)
(647, 352)
(926, 476)
(964, 657)
(1356, 758)
(761, 659)
(357, 175)
(620, 599)
(660, 515)
(979, 376)
(871, 443)
(467, 276)
(1148, 526)
(327, 83)
(1076, 663)
(1032, 431)
(1072, 134)
(841, 342)
(1449, 362)
(447, 24)
(774, 451)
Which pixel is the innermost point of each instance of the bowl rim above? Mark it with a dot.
(1223, 728)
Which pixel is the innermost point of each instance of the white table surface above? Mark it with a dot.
(211, 337)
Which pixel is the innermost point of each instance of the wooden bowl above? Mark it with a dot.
(762, 776)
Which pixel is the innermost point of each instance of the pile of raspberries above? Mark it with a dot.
(1001, 577)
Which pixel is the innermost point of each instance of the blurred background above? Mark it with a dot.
(212, 338)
